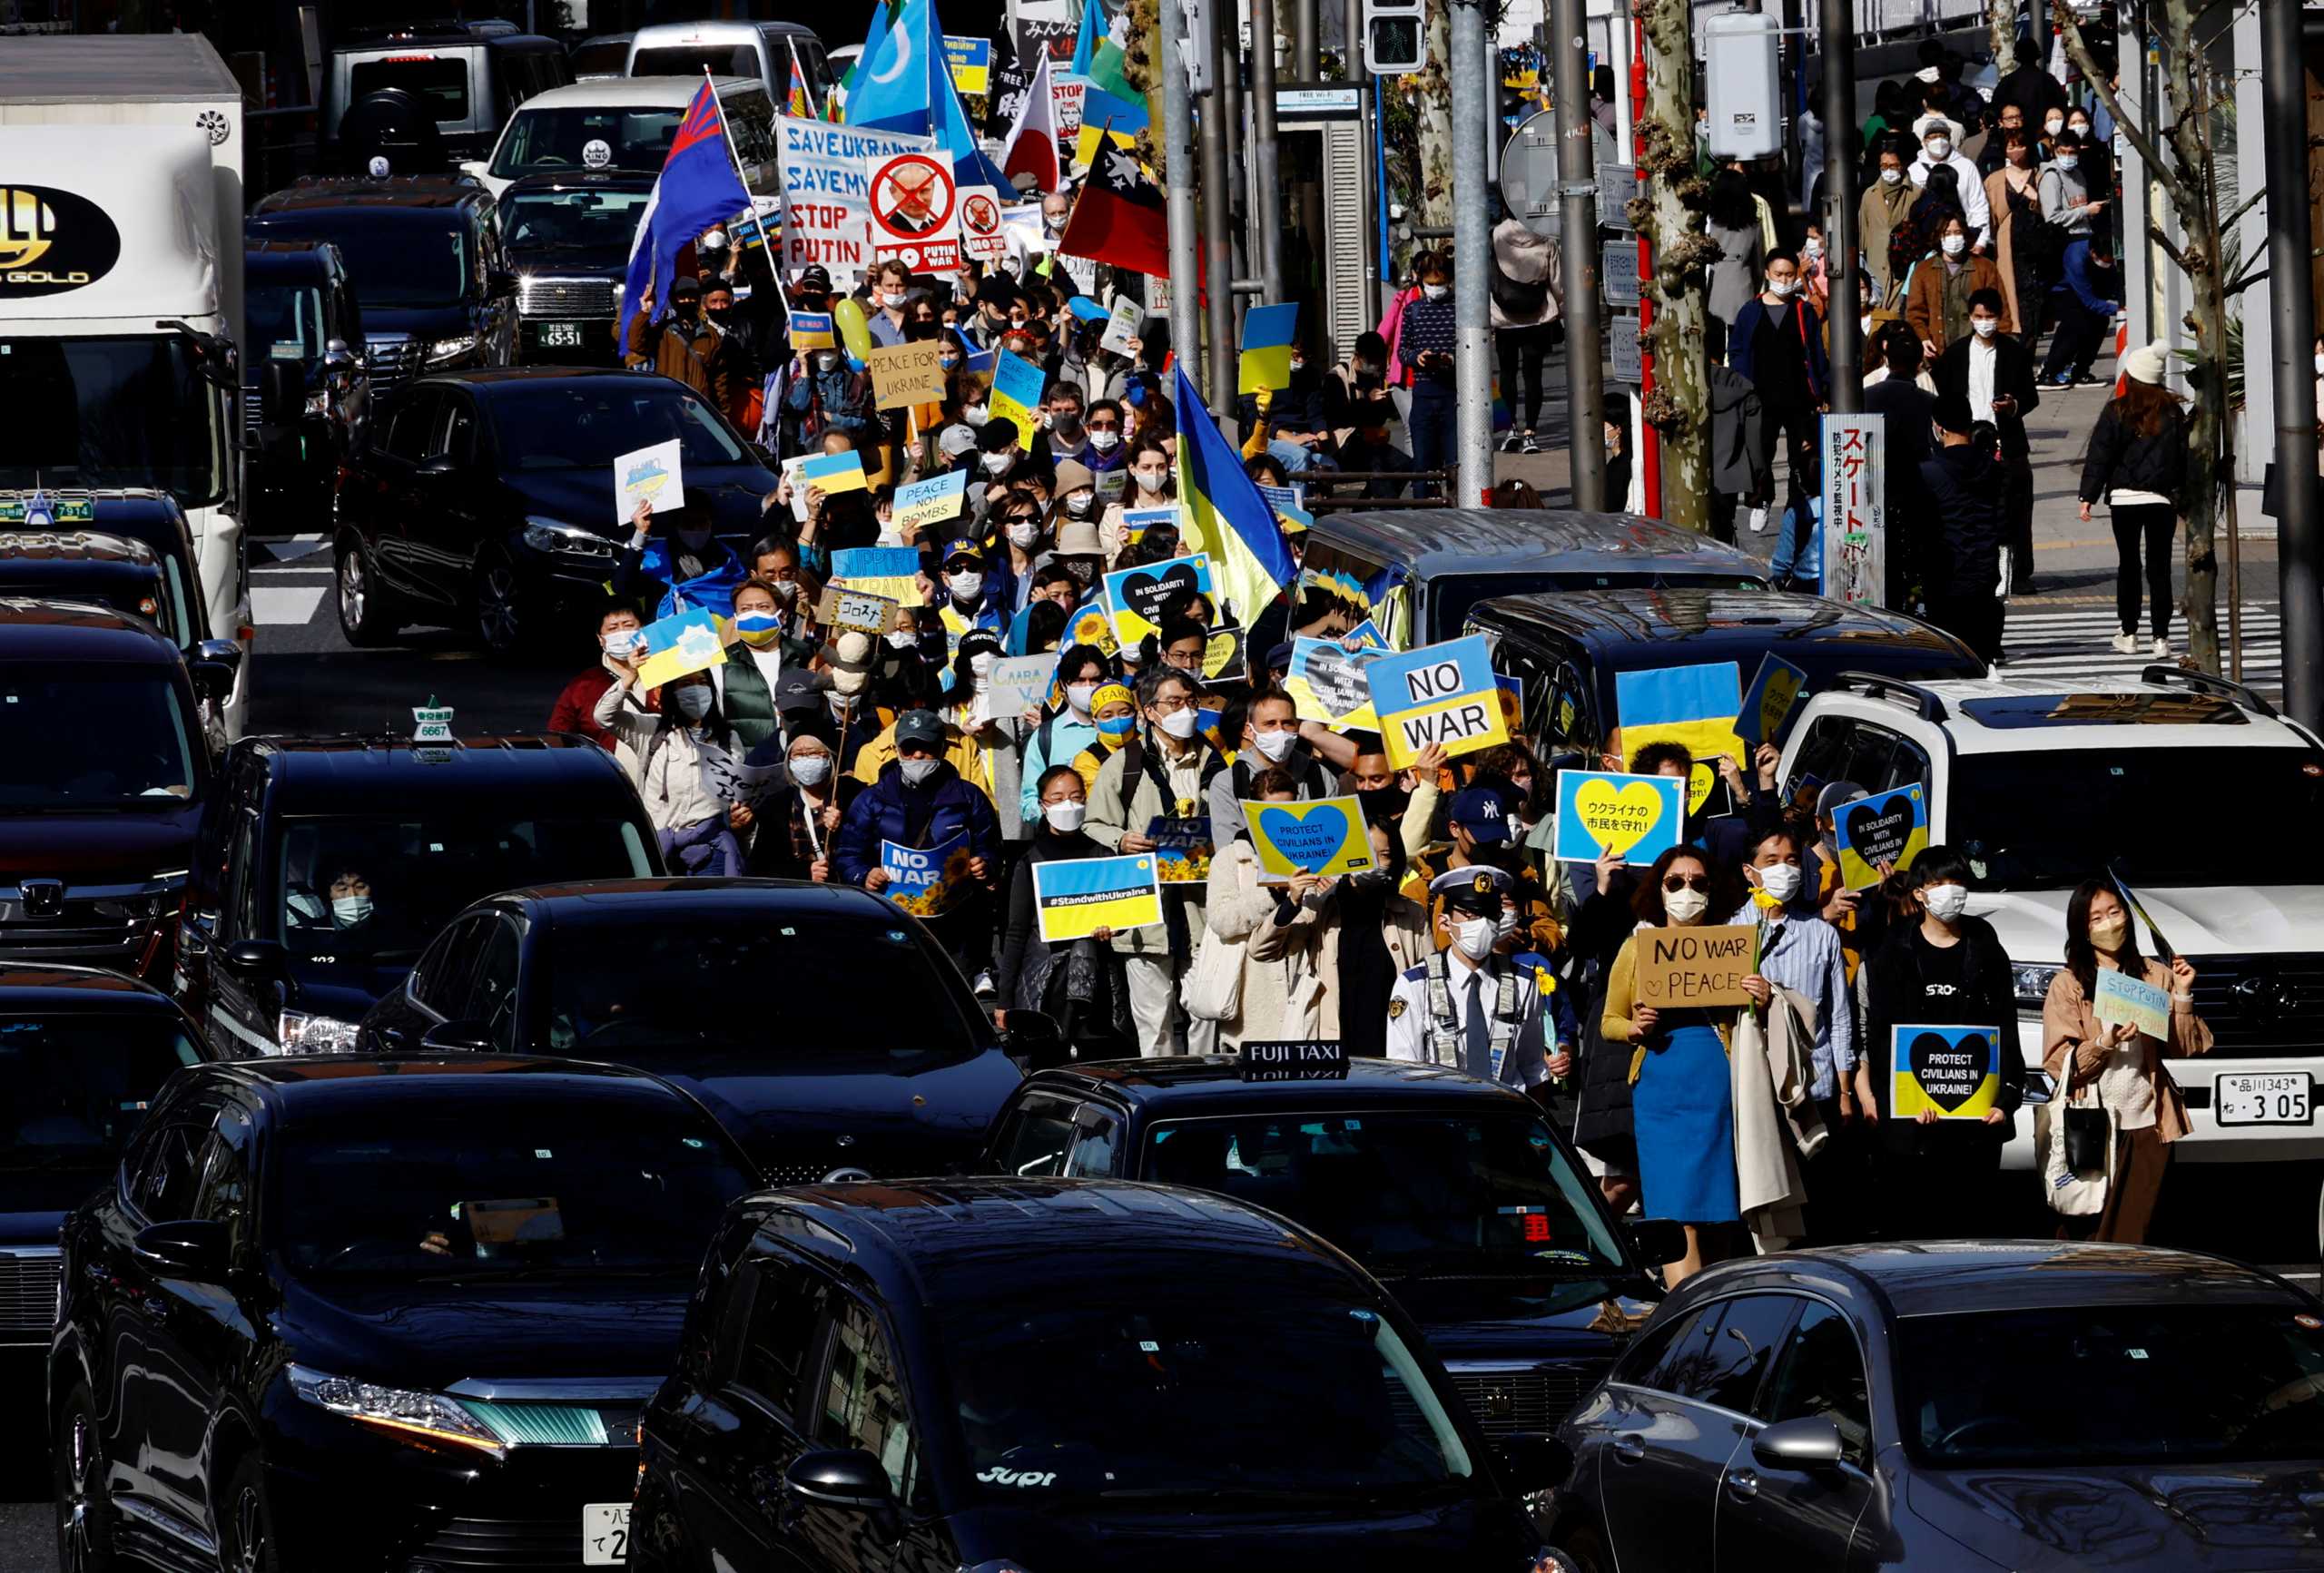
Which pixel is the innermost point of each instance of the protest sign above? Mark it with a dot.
(1694, 706)
(1223, 659)
(903, 375)
(1067, 92)
(983, 235)
(1639, 817)
(1135, 596)
(971, 63)
(1138, 521)
(811, 330)
(1073, 898)
(1267, 335)
(842, 609)
(653, 476)
(1511, 692)
(1090, 624)
(1283, 502)
(1016, 394)
(922, 880)
(1021, 683)
(1776, 693)
(889, 571)
(1886, 828)
(1319, 836)
(1183, 848)
(1705, 965)
(1953, 1070)
(1110, 487)
(1124, 322)
(928, 502)
(1326, 684)
(1440, 694)
(827, 191)
(2122, 997)
(832, 473)
(732, 780)
(677, 645)
(915, 211)
(1365, 635)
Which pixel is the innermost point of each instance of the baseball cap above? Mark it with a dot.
(1837, 795)
(800, 689)
(924, 727)
(961, 547)
(1480, 811)
(957, 440)
(816, 276)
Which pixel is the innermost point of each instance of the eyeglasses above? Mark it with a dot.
(1674, 883)
(1171, 704)
(1104, 425)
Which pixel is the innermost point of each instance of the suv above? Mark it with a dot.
(424, 252)
(769, 51)
(468, 75)
(300, 314)
(627, 125)
(568, 237)
(2043, 783)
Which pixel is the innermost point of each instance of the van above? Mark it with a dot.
(765, 50)
(624, 124)
(470, 75)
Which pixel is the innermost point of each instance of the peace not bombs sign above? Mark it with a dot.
(1953, 1070)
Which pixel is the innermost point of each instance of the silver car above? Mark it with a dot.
(1958, 1405)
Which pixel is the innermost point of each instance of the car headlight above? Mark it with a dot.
(395, 1409)
(444, 349)
(2031, 982)
(299, 1033)
(556, 535)
(1550, 1559)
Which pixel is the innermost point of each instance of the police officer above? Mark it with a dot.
(1465, 1005)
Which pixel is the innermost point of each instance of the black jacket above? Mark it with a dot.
(2121, 458)
(2013, 374)
(1988, 997)
(1960, 523)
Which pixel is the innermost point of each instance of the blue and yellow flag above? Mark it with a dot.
(1267, 334)
(1250, 561)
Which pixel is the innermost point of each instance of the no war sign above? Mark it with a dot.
(1440, 694)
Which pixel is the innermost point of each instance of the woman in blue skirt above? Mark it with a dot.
(1681, 1101)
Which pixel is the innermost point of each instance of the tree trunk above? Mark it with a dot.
(2000, 20)
(1679, 407)
(1435, 203)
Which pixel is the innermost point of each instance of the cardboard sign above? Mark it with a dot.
(1138, 521)
(1224, 656)
(655, 475)
(1124, 322)
(1319, 836)
(1954, 1070)
(1135, 597)
(928, 502)
(1888, 828)
(1285, 502)
(1016, 394)
(903, 375)
(1183, 848)
(1776, 692)
(1640, 817)
(827, 191)
(843, 609)
(1680, 968)
(922, 880)
(1021, 683)
(915, 211)
(811, 330)
(1112, 485)
(1440, 694)
(1694, 706)
(984, 233)
(970, 62)
(1318, 1059)
(2122, 997)
(674, 646)
(1073, 898)
(1326, 684)
(889, 571)
(832, 473)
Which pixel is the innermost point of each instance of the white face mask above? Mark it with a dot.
(1104, 440)
(980, 666)
(1066, 816)
(1178, 723)
(346, 910)
(693, 701)
(916, 771)
(1782, 287)
(1436, 291)
(893, 298)
(1079, 504)
(902, 639)
(998, 464)
(1150, 480)
(975, 414)
(1278, 746)
(1945, 902)
(1025, 535)
(2320, 363)
(1685, 906)
(1813, 247)
(1077, 698)
(618, 642)
(1940, 148)
(1892, 177)
(2067, 161)
(810, 769)
(1780, 880)
(1984, 327)
(966, 587)
(1955, 245)
(2082, 132)
(1476, 936)
(2053, 125)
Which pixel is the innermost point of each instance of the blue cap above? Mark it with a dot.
(1480, 811)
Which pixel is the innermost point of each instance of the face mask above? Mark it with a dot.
(810, 769)
(1955, 245)
(1178, 723)
(1392, 797)
(1781, 882)
(2319, 364)
(1079, 504)
(980, 665)
(1814, 247)
(891, 298)
(1024, 534)
(1436, 291)
(1104, 439)
(2105, 936)
(1945, 902)
(916, 771)
(1475, 936)
(2079, 129)
(693, 701)
(1116, 729)
(1077, 698)
(715, 241)
(826, 361)
(617, 644)
(693, 540)
(2053, 125)
(1782, 287)
(996, 464)
(1892, 177)
(965, 586)
(1940, 149)
(1150, 480)
(2067, 161)
(902, 639)
(1683, 907)
(346, 910)
(1066, 425)
(786, 590)
(1984, 327)
(975, 414)
(1066, 817)
(948, 363)
(1278, 746)
(719, 315)
(758, 629)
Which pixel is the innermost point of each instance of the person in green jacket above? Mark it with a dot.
(758, 656)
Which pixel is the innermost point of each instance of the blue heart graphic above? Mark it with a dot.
(1309, 843)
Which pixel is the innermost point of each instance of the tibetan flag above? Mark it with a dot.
(801, 103)
(1119, 218)
(1267, 334)
(1250, 561)
(1693, 706)
(698, 187)
(1031, 147)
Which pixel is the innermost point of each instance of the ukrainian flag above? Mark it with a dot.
(1250, 561)
(1267, 334)
(1695, 706)
(1106, 118)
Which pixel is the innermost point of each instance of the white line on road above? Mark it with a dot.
(287, 606)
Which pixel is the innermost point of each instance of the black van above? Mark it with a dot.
(465, 75)
(300, 325)
(324, 865)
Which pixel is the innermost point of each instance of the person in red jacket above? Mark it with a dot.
(617, 629)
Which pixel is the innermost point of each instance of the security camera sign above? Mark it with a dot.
(915, 213)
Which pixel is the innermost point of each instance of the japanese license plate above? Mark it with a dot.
(561, 335)
(2277, 1098)
(605, 1534)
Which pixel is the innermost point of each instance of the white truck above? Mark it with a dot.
(121, 288)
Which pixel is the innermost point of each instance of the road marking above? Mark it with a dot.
(2077, 645)
(285, 606)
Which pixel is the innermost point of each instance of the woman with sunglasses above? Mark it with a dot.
(1682, 1110)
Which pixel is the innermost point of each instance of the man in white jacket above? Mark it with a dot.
(1941, 144)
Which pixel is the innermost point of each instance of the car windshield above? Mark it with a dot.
(110, 412)
(633, 137)
(284, 322)
(570, 425)
(76, 1087)
(137, 590)
(549, 1182)
(60, 764)
(2114, 1384)
(667, 993)
(396, 258)
(592, 229)
(378, 889)
(2044, 819)
(694, 59)
(1407, 1194)
(1449, 595)
(438, 81)
(1152, 1384)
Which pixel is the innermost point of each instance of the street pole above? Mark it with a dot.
(1846, 320)
(1178, 153)
(1471, 259)
(2289, 245)
(1306, 58)
(1585, 376)
(1217, 227)
(1266, 156)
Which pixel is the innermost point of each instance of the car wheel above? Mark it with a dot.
(83, 1509)
(1585, 1550)
(245, 1522)
(655, 1545)
(365, 616)
(499, 611)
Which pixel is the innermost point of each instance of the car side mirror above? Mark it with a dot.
(215, 665)
(459, 1037)
(1536, 1461)
(444, 463)
(260, 959)
(1810, 1442)
(839, 1478)
(339, 359)
(1658, 1239)
(1035, 1041)
(473, 168)
(189, 1248)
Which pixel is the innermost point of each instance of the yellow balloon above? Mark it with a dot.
(853, 330)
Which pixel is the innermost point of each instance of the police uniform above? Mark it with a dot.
(1487, 1019)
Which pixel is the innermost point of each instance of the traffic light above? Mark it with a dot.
(1393, 31)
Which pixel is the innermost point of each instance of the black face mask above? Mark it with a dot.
(721, 315)
(1390, 800)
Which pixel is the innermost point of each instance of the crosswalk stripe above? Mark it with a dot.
(285, 606)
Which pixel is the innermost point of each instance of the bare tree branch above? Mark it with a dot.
(2078, 49)
(2245, 282)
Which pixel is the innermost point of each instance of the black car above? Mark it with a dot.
(325, 864)
(424, 252)
(567, 238)
(1955, 1405)
(822, 1025)
(109, 767)
(83, 1052)
(95, 565)
(1046, 1375)
(378, 1315)
(486, 500)
(304, 390)
(1453, 1191)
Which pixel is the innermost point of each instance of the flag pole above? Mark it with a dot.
(774, 266)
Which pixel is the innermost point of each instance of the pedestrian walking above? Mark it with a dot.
(1937, 300)
(1992, 370)
(1958, 530)
(1078, 983)
(1732, 220)
(2025, 242)
(2137, 464)
(673, 749)
(1527, 292)
(1777, 345)
(576, 702)
(1888, 201)
(1424, 346)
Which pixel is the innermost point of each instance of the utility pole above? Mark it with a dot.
(1471, 258)
(1307, 56)
(1178, 156)
(1844, 323)
(1217, 226)
(2289, 247)
(1267, 157)
(1585, 361)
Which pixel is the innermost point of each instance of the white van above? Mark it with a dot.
(625, 124)
(760, 49)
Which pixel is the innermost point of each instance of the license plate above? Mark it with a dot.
(561, 335)
(605, 1534)
(2279, 1098)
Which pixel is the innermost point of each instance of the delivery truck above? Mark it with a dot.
(121, 289)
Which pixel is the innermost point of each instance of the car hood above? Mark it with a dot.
(1465, 1537)
(566, 261)
(430, 1335)
(416, 321)
(2220, 1518)
(1516, 1321)
(344, 990)
(101, 848)
(2198, 920)
(586, 496)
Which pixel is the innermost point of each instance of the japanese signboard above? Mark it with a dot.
(1855, 526)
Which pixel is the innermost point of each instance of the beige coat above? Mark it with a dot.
(1883, 207)
(1291, 971)
(2070, 1032)
(1997, 198)
(1770, 1071)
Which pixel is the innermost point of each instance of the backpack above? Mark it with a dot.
(1519, 303)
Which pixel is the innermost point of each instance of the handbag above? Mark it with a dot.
(1214, 985)
(2075, 1141)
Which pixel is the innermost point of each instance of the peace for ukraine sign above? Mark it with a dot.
(1440, 694)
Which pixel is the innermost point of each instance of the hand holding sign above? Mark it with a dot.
(1441, 695)
(1945, 1073)
(1636, 818)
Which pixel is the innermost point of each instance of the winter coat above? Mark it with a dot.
(2013, 374)
(1527, 258)
(2004, 212)
(1793, 317)
(1139, 766)
(1962, 522)
(1036, 975)
(665, 760)
(2070, 1033)
(701, 359)
(891, 810)
(1894, 998)
(575, 707)
(1925, 295)
(1284, 974)
(2121, 460)
(1735, 275)
(1738, 461)
(1882, 209)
